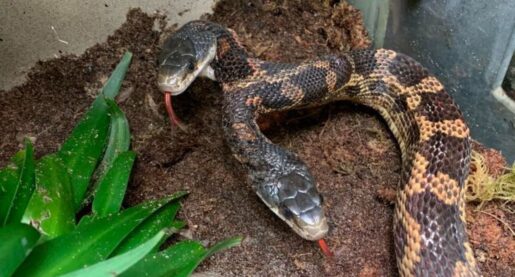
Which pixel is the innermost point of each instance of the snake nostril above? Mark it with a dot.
(286, 212)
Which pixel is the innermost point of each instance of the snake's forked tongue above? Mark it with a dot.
(325, 249)
(174, 119)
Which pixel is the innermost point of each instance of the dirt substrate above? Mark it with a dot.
(349, 149)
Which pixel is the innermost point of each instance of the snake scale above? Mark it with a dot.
(429, 220)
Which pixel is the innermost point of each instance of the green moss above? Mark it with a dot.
(481, 187)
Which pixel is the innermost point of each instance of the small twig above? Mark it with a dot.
(325, 125)
(500, 220)
(504, 206)
(301, 255)
(57, 36)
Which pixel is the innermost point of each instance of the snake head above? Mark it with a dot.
(184, 57)
(295, 199)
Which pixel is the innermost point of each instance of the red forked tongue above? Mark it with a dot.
(174, 120)
(325, 249)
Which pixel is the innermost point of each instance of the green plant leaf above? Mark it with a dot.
(17, 185)
(111, 190)
(113, 85)
(225, 244)
(118, 264)
(119, 136)
(51, 205)
(178, 260)
(167, 262)
(174, 227)
(118, 142)
(86, 219)
(88, 244)
(17, 242)
(82, 150)
(8, 187)
(160, 220)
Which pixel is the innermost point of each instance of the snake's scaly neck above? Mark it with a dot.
(231, 62)
(232, 59)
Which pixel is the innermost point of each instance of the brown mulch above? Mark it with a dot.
(348, 148)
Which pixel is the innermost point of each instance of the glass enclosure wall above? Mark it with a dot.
(468, 45)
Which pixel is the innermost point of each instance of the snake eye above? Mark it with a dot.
(191, 66)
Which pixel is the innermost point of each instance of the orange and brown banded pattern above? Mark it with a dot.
(429, 224)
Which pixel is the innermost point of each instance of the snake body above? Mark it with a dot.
(429, 221)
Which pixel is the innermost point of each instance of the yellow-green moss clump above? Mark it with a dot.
(482, 187)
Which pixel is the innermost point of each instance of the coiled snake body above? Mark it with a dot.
(429, 223)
